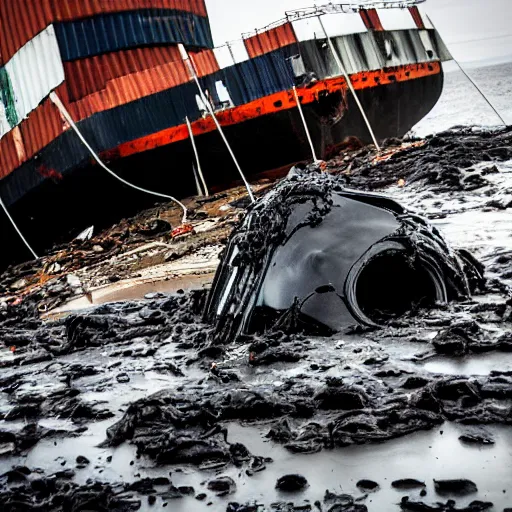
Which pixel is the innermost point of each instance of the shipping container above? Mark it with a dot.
(22, 20)
(270, 40)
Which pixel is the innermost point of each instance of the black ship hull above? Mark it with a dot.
(56, 209)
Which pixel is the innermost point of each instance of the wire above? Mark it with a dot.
(58, 103)
(473, 82)
(17, 229)
(299, 106)
(481, 92)
(207, 103)
(338, 60)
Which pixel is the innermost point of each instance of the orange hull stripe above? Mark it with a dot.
(274, 103)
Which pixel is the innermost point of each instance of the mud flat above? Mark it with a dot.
(131, 406)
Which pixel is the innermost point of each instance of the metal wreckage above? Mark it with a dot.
(313, 256)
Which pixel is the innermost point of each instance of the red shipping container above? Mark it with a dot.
(270, 40)
(66, 10)
(205, 62)
(416, 16)
(371, 19)
(90, 75)
(22, 20)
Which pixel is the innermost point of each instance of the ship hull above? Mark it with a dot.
(51, 209)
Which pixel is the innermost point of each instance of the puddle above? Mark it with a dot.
(470, 365)
(425, 456)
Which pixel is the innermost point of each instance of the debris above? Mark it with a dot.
(182, 231)
(86, 234)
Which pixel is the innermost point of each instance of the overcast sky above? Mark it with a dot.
(474, 30)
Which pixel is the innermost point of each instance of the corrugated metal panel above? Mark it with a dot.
(66, 10)
(8, 155)
(20, 21)
(395, 48)
(355, 53)
(371, 19)
(35, 70)
(125, 89)
(90, 75)
(205, 62)
(396, 19)
(358, 52)
(259, 77)
(7, 101)
(121, 31)
(4, 123)
(416, 16)
(43, 125)
(432, 40)
(270, 40)
(372, 51)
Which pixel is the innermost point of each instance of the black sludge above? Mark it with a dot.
(316, 257)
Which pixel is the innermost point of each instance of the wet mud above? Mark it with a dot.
(137, 406)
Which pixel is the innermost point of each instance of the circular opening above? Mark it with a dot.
(388, 287)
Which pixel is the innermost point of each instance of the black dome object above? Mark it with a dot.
(316, 257)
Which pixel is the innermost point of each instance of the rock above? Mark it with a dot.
(338, 398)
(82, 462)
(450, 505)
(407, 483)
(460, 487)
(201, 497)
(450, 342)
(476, 439)
(123, 378)
(415, 383)
(493, 169)
(186, 490)
(222, 485)
(368, 486)
(291, 483)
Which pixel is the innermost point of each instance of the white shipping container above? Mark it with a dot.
(35, 70)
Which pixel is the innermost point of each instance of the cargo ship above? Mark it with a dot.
(116, 67)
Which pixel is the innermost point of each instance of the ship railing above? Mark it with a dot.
(334, 8)
(340, 8)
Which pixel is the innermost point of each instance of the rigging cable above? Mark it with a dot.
(18, 229)
(58, 103)
(472, 81)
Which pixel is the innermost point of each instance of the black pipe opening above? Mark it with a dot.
(388, 286)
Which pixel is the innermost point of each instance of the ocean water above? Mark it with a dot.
(462, 104)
